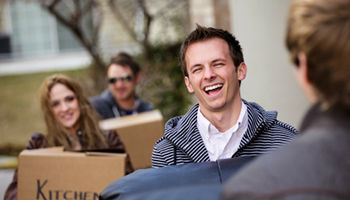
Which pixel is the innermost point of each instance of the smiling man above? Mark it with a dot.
(120, 98)
(221, 125)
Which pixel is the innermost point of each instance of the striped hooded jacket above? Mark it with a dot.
(182, 142)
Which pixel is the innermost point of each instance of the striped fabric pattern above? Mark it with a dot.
(182, 142)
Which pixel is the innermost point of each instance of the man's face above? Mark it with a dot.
(212, 76)
(122, 82)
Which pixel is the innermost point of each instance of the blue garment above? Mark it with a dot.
(316, 165)
(182, 142)
(107, 107)
(190, 181)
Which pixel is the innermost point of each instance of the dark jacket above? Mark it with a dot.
(182, 142)
(107, 107)
(191, 181)
(316, 165)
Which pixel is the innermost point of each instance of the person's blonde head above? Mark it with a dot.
(88, 120)
(321, 30)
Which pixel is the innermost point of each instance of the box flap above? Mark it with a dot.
(50, 151)
(131, 120)
(139, 133)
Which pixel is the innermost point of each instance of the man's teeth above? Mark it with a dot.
(213, 87)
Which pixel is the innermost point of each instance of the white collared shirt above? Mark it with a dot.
(221, 145)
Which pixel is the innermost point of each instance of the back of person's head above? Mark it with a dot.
(88, 119)
(202, 33)
(321, 30)
(125, 60)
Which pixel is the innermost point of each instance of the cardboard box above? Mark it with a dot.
(52, 173)
(139, 133)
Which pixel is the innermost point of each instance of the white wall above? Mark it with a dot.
(260, 27)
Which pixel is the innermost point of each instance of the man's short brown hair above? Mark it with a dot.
(321, 30)
(202, 33)
(125, 60)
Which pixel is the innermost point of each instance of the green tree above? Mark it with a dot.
(162, 81)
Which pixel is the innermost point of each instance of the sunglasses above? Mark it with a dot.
(123, 79)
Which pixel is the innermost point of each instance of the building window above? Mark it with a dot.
(35, 32)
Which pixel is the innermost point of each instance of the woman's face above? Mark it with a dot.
(65, 107)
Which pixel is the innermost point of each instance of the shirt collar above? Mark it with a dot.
(209, 128)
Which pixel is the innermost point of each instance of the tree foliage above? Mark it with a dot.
(162, 81)
(166, 87)
(83, 19)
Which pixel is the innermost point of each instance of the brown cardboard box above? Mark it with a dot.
(139, 133)
(52, 173)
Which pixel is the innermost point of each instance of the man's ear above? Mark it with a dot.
(137, 78)
(301, 70)
(188, 85)
(241, 71)
(302, 76)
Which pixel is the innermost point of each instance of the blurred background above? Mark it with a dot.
(77, 38)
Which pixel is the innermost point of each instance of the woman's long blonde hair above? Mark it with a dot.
(56, 134)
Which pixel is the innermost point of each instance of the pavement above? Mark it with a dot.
(6, 176)
(8, 165)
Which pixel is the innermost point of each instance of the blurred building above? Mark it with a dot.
(32, 32)
(32, 40)
(214, 13)
(27, 31)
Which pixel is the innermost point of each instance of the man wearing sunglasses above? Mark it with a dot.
(120, 98)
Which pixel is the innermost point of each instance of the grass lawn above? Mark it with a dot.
(20, 114)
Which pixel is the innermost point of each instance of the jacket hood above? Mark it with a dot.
(183, 132)
(258, 120)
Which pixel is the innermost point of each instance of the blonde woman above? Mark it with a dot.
(70, 120)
